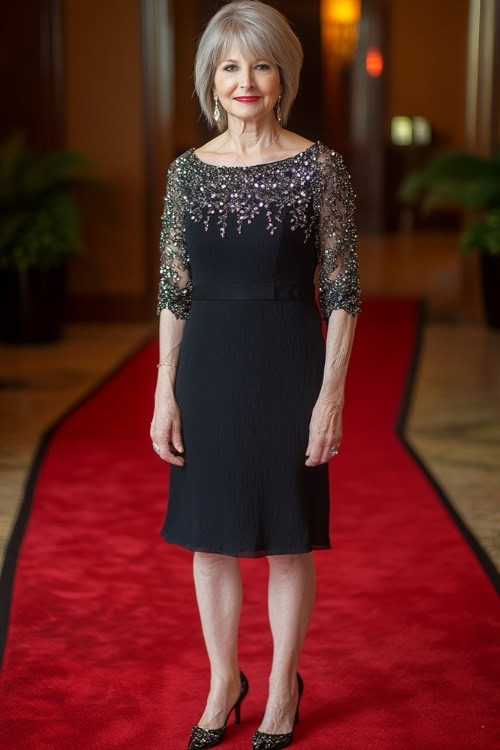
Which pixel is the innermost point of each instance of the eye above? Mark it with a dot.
(261, 65)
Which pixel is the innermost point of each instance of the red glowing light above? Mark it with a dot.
(374, 62)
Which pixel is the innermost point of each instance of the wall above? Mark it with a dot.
(104, 118)
(427, 57)
(187, 110)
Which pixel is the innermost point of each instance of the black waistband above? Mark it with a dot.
(254, 290)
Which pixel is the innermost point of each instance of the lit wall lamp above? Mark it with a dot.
(374, 62)
(340, 30)
(410, 130)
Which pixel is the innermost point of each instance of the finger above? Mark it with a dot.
(166, 447)
(316, 452)
(173, 450)
(177, 437)
(309, 449)
(312, 451)
(170, 446)
(166, 454)
(333, 443)
(313, 443)
(325, 456)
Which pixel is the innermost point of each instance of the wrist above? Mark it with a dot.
(166, 378)
(333, 396)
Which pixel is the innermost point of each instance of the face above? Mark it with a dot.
(248, 88)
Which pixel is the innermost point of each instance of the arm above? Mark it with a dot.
(339, 296)
(174, 304)
(339, 341)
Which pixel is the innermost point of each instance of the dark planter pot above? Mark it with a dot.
(32, 304)
(490, 272)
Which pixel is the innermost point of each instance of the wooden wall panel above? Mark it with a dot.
(31, 74)
(105, 119)
(427, 65)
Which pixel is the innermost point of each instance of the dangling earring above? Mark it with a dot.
(278, 110)
(216, 110)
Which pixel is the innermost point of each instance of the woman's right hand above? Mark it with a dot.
(166, 430)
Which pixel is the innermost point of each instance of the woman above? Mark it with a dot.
(249, 411)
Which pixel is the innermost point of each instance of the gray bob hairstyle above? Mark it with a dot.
(258, 29)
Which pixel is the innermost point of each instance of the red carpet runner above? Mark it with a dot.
(104, 647)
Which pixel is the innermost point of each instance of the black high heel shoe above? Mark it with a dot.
(266, 741)
(203, 738)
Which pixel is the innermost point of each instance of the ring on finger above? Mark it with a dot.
(156, 448)
(333, 451)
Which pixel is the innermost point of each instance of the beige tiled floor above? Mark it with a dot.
(37, 384)
(454, 423)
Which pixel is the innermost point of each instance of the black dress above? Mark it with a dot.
(239, 249)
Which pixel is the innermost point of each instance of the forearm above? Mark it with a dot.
(339, 341)
(171, 333)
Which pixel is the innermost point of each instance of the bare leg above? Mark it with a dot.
(291, 595)
(219, 593)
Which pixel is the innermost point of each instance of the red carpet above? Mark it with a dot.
(104, 647)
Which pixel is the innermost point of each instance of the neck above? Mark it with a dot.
(252, 137)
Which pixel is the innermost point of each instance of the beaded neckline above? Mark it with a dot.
(310, 191)
(299, 155)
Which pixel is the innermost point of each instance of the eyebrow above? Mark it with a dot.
(235, 61)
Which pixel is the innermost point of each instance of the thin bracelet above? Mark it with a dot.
(160, 364)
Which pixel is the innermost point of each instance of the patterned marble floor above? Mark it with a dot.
(454, 422)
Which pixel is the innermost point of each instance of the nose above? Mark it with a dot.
(246, 79)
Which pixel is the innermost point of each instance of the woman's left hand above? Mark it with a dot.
(325, 429)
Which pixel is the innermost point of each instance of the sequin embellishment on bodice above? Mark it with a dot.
(316, 177)
(248, 190)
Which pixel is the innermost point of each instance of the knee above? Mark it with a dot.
(208, 561)
(288, 563)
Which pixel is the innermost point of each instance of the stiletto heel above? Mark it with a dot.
(267, 741)
(237, 712)
(203, 738)
(301, 690)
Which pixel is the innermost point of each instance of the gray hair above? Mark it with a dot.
(258, 29)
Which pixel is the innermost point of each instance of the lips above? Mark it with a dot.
(247, 98)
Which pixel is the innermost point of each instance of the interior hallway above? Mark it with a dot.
(454, 420)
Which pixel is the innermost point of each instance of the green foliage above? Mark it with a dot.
(463, 179)
(39, 222)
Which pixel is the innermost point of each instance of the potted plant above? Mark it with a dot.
(473, 182)
(39, 231)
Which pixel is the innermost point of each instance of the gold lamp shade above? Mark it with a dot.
(339, 30)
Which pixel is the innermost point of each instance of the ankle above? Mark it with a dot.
(225, 679)
(283, 681)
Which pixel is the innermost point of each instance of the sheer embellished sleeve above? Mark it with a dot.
(339, 284)
(175, 269)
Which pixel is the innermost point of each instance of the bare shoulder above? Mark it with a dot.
(294, 142)
(210, 148)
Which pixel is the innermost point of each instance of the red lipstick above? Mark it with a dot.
(247, 98)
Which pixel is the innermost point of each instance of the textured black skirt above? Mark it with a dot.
(249, 373)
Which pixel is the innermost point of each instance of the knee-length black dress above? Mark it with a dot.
(239, 250)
